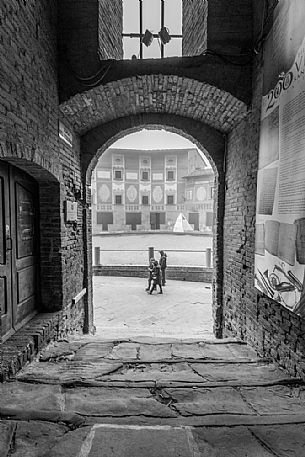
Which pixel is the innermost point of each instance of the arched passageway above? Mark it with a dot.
(195, 110)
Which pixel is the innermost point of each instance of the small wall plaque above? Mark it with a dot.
(70, 211)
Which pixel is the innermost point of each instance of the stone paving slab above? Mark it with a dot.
(31, 396)
(126, 441)
(7, 430)
(227, 400)
(284, 440)
(156, 372)
(94, 351)
(60, 350)
(240, 373)
(263, 441)
(275, 399)
(200, 402)
(72, 420)
(66, 372)
(28, 439)
(230, 442)
(71, 445)
(155, 352)
(189, 351)
(239, 351)
(125, 351)
(227, 352)
(115, 402)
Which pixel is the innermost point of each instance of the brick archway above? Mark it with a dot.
(212, 142)
(170, 94)
(194, 109)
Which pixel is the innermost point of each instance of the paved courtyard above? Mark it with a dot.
(122, 308)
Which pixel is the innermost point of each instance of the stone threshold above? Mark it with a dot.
(25, 343)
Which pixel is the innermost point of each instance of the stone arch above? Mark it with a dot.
(50, 262)
(156, 93)
(211, 141)
(32, 161)
(195, 108)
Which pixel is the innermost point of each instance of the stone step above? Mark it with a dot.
(41, 438)
(182, 402)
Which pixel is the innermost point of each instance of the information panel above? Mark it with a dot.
(280, 213)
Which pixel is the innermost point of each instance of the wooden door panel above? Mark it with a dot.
(25, 309)
(24, 219)
(3, 296)
(25, 284)
(5, 306)
(2, 223)
(18, 246)
(5, 254)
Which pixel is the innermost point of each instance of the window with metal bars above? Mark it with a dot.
(152, 28)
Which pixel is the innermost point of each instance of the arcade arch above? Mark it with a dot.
(200, 112)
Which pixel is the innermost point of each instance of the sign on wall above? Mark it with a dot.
(280, 209)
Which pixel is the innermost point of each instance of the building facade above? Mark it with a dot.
(148, 189)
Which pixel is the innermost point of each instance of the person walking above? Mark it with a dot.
(150, 270)
(156, 278)
(163, 263)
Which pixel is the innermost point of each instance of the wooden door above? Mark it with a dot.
(23, 193)
(6, 305)
(18, 248)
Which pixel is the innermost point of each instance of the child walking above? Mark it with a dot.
(156, 278)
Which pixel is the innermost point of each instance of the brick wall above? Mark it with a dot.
(88, 31)
(29, 140)
(193, 274)
(269, 327)
(224, 26)
(72, 253)
(110, 29)
(229, 26)
(28, 81)
(194, 27)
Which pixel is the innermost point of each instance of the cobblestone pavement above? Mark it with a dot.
(154, 397)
